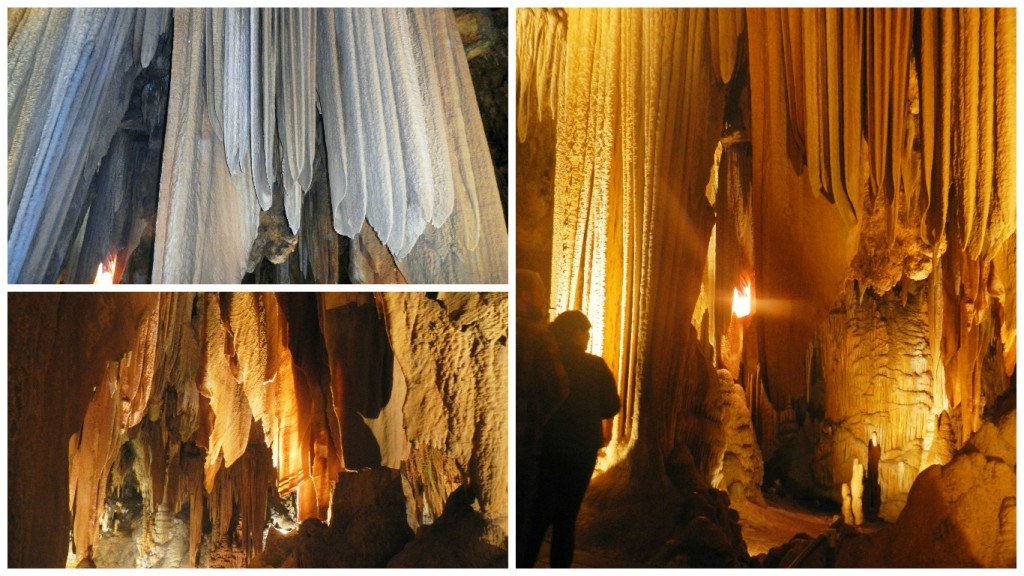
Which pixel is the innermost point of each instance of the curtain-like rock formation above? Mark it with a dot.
(404, 141)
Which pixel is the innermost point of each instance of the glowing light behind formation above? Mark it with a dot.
(105, 272)
(741, 302)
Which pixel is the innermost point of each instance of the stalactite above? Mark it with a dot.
(540, 64)
(296, 110)
(263, 41)
(792, 298)
(231, 412)
(725, 26)
(154, 23)
(831, 50)
(196, 186)
(888, 54)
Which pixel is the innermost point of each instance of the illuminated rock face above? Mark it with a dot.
(882, 376)
(968, 505)
(204, 403)
(384, 98)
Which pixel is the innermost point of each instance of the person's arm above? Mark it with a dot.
(608, 394)
(554, 380)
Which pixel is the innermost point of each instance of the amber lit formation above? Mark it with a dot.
(858, 224)
(332, 401)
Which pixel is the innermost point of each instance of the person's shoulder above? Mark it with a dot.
(595, 361)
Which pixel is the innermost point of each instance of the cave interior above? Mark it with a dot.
(165, 430)
(794, 233)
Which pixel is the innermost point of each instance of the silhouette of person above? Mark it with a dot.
(541, 385)
(572, 438)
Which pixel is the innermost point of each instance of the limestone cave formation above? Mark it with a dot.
(261, 145)
(794, 233)
(257, 430)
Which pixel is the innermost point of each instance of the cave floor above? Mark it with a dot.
(769, 526)
(581, 558)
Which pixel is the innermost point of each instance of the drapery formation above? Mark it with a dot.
(540, 64)
(878, 137)
(633, 153)
(221, 397)
(61, 65)
(403, 139)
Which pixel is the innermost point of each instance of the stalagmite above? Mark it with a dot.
(857, 492)
(847, 504)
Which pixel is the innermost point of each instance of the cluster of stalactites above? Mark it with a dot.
(389, 85)
(245, 379)
(540, 64)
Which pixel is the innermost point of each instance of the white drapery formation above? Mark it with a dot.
(69, 76)
(404, 139)
(405, 147)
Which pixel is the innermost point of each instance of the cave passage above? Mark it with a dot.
(794, 234)
(161, 430)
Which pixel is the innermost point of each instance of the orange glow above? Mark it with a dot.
(741, 301)
(105, 271)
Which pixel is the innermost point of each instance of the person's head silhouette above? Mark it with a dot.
(572, 330)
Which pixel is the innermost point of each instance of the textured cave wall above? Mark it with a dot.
(882, 376)
(453, 353)
(408, 150)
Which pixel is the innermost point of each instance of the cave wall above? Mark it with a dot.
(58, 356)
(202, 411)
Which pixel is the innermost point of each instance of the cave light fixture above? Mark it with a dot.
(741, 300)
(105, 271)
